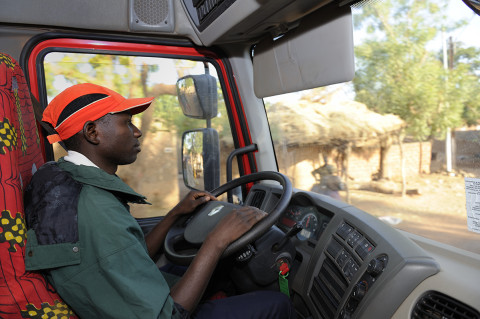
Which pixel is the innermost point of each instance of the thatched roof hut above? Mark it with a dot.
(332, 124)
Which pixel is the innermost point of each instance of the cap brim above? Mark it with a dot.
(133, 106)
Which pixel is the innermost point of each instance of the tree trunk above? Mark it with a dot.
(420, 160)
(347, 157)
(402, 165)
(384, 169)
(129, 172)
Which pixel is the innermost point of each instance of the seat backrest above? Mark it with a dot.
(22, 294)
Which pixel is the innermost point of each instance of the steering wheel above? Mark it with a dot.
(186, 235)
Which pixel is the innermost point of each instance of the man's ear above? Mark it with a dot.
(90, 132)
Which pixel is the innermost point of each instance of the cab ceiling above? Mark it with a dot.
(243, 21)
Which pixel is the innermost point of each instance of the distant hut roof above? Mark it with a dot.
(332, 124)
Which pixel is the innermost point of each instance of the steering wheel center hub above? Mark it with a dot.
(206, 220)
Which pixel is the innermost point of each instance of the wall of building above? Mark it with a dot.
(298, 163)
(417, 158)
(466, 150)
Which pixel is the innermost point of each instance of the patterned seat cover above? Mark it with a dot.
(22, 294)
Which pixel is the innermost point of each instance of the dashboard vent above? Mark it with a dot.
(433, 305)
(257, 198)
(328, 289)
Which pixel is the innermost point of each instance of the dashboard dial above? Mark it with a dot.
(294, 213)
(309, 222)
(312, 220)
(291, 216)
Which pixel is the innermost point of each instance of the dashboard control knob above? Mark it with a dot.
(359, 291)
(375, 267)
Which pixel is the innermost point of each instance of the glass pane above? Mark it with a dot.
(400, 139)
(157, 173)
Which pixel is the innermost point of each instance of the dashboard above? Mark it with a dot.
(349, 264)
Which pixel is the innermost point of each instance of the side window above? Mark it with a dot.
(157, 173)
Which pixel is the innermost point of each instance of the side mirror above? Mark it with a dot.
(197, 95)
(201, 159)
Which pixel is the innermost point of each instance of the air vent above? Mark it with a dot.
(328, 289)
(257, 198)
(433, 305)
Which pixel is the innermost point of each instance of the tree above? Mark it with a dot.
(399, 73)
(468, 60)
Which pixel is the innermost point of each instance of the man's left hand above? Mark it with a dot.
(191, 201)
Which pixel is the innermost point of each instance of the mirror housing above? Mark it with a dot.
(197, 95)
(201, 159)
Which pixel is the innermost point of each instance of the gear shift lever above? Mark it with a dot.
(292, 232)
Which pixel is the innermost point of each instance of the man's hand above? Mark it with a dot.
(191, 201)
(156, 237)
(235, 224)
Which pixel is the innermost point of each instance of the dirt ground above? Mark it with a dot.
(437, 212)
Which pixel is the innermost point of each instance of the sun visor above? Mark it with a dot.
(317, 53)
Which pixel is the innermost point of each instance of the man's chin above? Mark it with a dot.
(128, 161)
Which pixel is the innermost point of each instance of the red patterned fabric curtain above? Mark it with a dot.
(22, 294)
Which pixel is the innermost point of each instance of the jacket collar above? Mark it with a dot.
(94, 176)
(78, 159)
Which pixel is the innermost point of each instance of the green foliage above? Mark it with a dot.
(398, 73)
(116, 72)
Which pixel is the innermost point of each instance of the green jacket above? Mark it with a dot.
(104, 271)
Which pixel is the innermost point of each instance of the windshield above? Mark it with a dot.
(402, 140)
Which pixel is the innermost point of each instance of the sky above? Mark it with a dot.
(469, 34)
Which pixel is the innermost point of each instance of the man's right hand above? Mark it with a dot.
(235, 224)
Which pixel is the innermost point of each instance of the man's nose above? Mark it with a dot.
(136, 132)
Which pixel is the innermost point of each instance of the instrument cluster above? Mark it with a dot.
(312, 220)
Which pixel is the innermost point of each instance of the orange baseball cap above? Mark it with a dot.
(73, 107)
